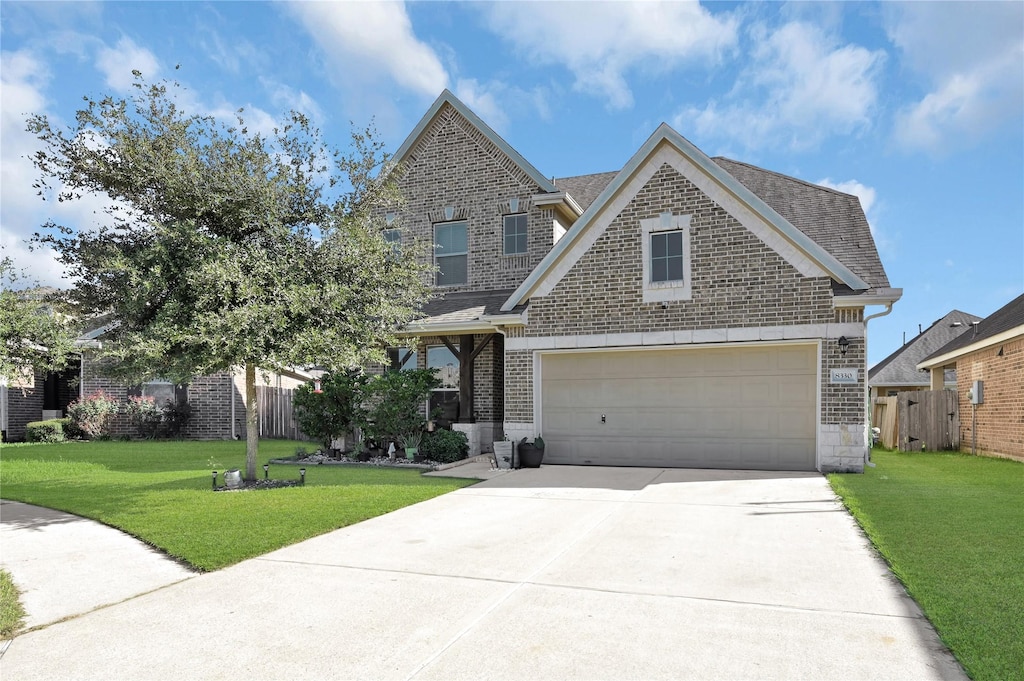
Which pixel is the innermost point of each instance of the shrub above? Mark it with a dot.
(445, 446)
(394, 402)
(331, 413)
(51, 430)
(176, 416)
(91, 415)
(145, 415)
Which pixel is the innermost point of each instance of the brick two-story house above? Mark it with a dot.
(683, 311)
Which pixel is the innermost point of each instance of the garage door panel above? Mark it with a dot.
(712, 408)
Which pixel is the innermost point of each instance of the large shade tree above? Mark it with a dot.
(224, 247)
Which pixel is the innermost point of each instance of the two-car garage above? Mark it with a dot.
(740, 406)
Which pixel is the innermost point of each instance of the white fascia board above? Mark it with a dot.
(562, 201)
(504, 319)
(951, 357)
(448, 97)
(471, 326)
(881, 296)
(666, 134)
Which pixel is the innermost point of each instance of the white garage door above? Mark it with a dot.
(735, 407)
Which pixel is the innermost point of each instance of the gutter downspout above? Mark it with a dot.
(867, 390)
(231, 396)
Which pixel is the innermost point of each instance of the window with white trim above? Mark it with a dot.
(666, 256)
(451, 253)
(514, 234)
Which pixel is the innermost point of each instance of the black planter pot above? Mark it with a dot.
(530, 455)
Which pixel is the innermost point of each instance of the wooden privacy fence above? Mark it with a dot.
(276, 414)
(885, 417)
(928, 419)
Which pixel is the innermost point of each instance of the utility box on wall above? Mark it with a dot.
(977, 392)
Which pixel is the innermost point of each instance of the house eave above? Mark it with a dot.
(949, 358)
(561, 202)
(881, 296)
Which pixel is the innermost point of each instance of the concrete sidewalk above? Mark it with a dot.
(553, 573)
(66, 565)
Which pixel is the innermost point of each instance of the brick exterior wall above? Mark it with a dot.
(1000, 428)
(24, 405)
(454, 165)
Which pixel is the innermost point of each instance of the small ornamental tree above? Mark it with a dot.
(226, 247)
(394, 403)
(334, 411)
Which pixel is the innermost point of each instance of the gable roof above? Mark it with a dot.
(464, 311)
(446, 98)
(800, 249)
(900, 368)
(1005, 323)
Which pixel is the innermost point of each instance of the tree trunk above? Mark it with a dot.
(252, 426)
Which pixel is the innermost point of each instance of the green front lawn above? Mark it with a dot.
(161, 493)
(11, 612)
(951, 527)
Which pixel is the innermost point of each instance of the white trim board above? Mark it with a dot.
(758, 334)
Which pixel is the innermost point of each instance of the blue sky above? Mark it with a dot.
(918, 108)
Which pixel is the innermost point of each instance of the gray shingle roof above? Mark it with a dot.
(465, 307)
(834, 220)
(585, 188)
(900, 368)
(1005, 318)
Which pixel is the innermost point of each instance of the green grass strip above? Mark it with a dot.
(11, 612)
(951, 527)
(161, 493)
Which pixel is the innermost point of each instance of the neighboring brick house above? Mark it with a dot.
(993, 353)
(683, 311)
(217, 401)
(899, 373)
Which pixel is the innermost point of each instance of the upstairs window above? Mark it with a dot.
(450, 253)
(515, 234)
(393, 237)
(666, 258)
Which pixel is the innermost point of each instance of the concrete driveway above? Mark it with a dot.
(555, 573)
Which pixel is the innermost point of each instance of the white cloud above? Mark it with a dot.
(117, 64)
(23, 79)
(801, 86)
(609, 39)
(972, 57)
(367, 40)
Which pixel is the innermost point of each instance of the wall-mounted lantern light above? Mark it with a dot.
(844, 345)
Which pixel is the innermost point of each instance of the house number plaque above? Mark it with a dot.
(843, 376)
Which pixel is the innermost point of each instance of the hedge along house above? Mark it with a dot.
(681, 312)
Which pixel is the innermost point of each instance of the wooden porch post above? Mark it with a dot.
(466, 362)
